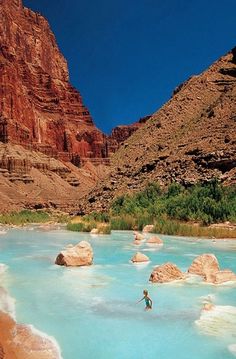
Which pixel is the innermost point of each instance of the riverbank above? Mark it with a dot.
(21, 341)
(18, 341)
(226, 230)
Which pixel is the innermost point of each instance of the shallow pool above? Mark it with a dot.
(92, 311)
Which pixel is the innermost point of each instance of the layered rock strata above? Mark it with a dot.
(30, 179)
(39, 108)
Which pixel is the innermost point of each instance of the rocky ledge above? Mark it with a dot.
(18, 341)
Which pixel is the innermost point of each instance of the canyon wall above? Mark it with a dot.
(39, 108)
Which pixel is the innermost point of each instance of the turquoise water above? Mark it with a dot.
(92, 311)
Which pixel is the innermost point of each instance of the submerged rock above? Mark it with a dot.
(79, 255)
(140, 258)
(137, 243)
(94, 231)
(155, 240)
(165, 273)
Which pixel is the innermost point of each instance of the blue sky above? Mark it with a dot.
(126, 57)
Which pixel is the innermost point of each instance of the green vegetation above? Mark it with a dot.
(175, 211)
(37, 216)
(24, 217)
(89, 222)
(80, 226)
(208, 203)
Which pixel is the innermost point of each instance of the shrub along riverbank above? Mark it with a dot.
(175, 211)
(26, 217)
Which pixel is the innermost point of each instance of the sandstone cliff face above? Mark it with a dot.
(30, 179)
(39, 108)
(191, 138)
(41, 111)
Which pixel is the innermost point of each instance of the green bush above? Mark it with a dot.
(207, 203)
(169, 210)
(24, 217)
(80, 226)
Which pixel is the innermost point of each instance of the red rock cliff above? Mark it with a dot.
(39, 108)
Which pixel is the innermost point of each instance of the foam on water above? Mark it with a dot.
(3, 268)
(219, 321)
(7, 303)
(232, 349)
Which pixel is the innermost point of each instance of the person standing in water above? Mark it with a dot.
(147, 300)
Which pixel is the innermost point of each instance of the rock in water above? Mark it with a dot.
(94, 231)
(205, 265)
(148, 228)
(140, 258)
(155, 240)
(138, 236)
(223, 276)
(79, 255)
(167, 272)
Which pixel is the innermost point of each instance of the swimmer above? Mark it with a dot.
(147, 299)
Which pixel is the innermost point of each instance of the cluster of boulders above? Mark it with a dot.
(205, 266)
(139, 237)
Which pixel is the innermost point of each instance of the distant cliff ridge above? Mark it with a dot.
(39, 109)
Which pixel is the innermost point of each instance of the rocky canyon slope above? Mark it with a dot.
(45, 128)
(191, 138)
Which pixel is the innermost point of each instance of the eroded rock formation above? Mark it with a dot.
(165, 273)
(207, 266)
(39, 108)
(79, 255)
(30, 179)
